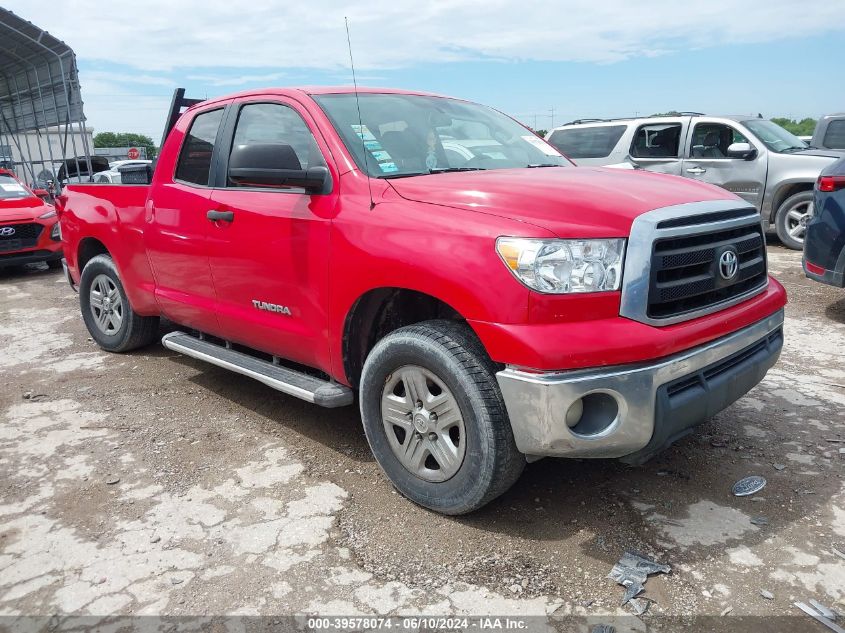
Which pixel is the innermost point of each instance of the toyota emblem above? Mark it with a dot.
(6, 231)
(728, 265)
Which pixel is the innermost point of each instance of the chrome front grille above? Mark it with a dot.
(673, 270)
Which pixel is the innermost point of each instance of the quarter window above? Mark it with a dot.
(657, 140)
(587, 142)
(194, 164)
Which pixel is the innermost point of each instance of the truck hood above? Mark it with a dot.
(27, 208)
(568, 201)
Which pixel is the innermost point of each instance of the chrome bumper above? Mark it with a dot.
(623, 420)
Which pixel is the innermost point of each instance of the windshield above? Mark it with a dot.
(774, 136)
(11, 189)
(409, 135)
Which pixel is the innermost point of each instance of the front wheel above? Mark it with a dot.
(110, 320)
(792, 217)
(435, 418)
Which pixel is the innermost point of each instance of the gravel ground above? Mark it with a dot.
(149, 483)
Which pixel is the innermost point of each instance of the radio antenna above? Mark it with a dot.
(360, 120)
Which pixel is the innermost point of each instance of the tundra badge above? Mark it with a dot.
(270, 307)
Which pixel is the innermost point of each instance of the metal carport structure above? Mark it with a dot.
(39, 96)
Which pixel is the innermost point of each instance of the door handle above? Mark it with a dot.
(220, 216)
(696, 170)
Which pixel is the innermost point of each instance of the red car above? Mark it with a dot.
(29, 227)
(485, 301)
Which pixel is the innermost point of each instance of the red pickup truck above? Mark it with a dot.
(488, 302)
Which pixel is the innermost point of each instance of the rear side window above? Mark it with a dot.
(587, 142)
(834, 137)
(657, 140)
(194, 164)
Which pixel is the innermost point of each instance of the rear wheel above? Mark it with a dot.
(435, 418)
(110, 320)
(792, 218)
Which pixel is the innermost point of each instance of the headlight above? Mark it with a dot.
(46, 216)
(564, 266)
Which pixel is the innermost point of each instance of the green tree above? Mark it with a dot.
(804, 127)
(126, 139)
(540, 133)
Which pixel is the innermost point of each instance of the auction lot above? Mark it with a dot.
(150, 483)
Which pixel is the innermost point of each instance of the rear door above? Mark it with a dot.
(177, 226)
(270, 262)
(657, 145)
(706, 159)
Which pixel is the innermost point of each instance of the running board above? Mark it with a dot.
(294, 383)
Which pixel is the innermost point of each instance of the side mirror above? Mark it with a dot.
(741, 150)
(41, 193)
(275, 165)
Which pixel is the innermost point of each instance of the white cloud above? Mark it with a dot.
(159, 35)
(212, 80)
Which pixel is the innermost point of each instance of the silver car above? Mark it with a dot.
(752, 157)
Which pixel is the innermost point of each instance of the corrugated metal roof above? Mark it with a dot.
(39, 82)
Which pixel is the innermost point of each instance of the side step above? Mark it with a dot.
(294, 383)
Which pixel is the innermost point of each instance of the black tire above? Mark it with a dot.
(783, 221)
(135, 331)
(451, 351)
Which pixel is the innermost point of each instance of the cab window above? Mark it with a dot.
(194, 164)
(711, 140)
(657, 140)
(277, 124)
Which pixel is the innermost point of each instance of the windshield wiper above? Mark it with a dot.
(789, 150)
(536, 165)
(443, 170)
(405, 175)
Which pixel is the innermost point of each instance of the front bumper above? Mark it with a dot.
(29, 257)
(635, 411)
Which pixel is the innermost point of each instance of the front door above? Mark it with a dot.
(706, 159)
(176, 230)
(269, 261)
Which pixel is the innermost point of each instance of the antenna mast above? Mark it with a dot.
(360, 120)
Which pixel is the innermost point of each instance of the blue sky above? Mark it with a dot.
(580, 58)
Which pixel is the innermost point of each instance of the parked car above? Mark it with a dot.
(830, 132)
(112, 174)
(487, 310)
(29, 228)
(824, 248)
(752, 157)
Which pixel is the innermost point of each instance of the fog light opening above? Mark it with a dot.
(574, 413)
(592, 414)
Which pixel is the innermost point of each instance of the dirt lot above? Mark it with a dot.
(149, 483)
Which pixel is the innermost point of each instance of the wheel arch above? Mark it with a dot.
(89, 247)
(380, 311)
(787, 190)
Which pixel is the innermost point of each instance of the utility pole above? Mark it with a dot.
(553, 117)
